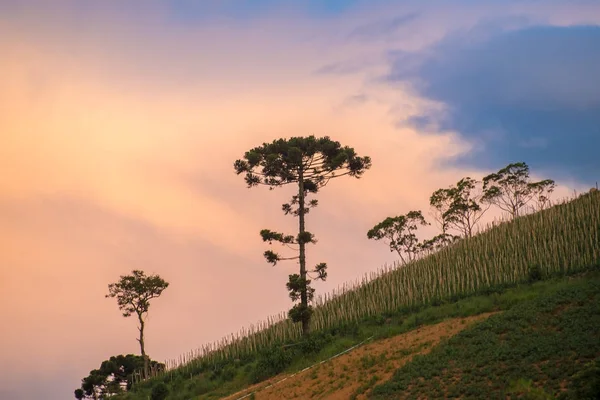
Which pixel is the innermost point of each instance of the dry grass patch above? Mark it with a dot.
(352, 375)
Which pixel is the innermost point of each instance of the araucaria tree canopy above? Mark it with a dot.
(308, 163)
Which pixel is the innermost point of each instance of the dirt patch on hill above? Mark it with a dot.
(353, 374)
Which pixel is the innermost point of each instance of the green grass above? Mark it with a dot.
(534, 348)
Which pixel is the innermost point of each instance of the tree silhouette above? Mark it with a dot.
(459, 206)
(399, 232)
(133, 293)
(308, 163)
(511, 188)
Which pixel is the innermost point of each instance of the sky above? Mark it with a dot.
(120, 123)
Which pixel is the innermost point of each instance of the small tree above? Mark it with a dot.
(541, 193)
(399, 232)
(133, 293)
(459, 206)
(310, 163)
(511, 188)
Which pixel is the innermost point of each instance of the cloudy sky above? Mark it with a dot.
(120, 122)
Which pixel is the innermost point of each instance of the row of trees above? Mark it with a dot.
(309, 163)
(459, 208)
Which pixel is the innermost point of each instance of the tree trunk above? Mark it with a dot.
(469, 226)
(142, 349)
(302, 245)
(401, 256)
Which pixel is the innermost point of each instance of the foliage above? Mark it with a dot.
(133, 293)
(314, 161)
(310, 163)
(160, 391)
(400, 234)
(511, 189)
(271, 362)
(544, 340)
(112, 375)
(534, 274)
(526, 389)
(438, 242)
(585, 383)
(95, 384)
(459, 206)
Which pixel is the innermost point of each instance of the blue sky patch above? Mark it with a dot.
(528, 95)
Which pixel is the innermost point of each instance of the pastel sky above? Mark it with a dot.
(120, 122)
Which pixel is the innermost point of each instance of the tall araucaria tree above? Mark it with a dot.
(308, 163)
(133, 293)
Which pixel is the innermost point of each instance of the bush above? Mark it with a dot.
(160, 391)
(525, 390)
(315, 342)
(378, 319)
(228, 373)
(585, 384)
(534, 273)
(271, 362)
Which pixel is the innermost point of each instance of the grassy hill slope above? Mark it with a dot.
(541, 348)
(467, 278)
(537, 348)
(352, 375)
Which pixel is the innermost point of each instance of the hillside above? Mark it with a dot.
(484, 274)
(344, 377)
(541, 347)
(548, 333)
